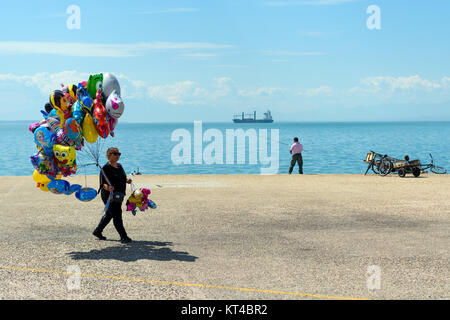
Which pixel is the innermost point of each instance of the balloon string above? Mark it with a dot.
(109, 183)
(107, 203)
(85, 177)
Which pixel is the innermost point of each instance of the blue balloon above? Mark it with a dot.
(58, 186)
(84, 98)
(78, 113)
(53, 114)
(45, 139)
(73, 188)
(73, 131)
(86, 194)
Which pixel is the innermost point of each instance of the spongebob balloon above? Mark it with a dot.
(65, 157)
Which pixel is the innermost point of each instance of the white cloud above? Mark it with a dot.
(322, 90)
(45, 81)
(101, 50)
(177, 93)
(392, 84)
(191, 93)
(260, 92)
(224, 91)
(445, 82)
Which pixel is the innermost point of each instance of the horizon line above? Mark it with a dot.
(307, 121)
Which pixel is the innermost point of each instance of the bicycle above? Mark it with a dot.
(374, 161)
(433, 168)
(379, 163)
(387, 165)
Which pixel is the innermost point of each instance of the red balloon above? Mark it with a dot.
(100, 116)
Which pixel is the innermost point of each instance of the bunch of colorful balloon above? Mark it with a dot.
(139, 199)
(74, 114)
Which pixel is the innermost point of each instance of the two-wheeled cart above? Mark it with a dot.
(402, 167)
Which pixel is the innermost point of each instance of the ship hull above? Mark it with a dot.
(252, 121)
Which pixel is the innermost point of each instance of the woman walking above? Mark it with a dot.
(113, 180)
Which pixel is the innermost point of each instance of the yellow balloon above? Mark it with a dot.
(65, 155)
(89, 129)
(40, 178)
(44, 186)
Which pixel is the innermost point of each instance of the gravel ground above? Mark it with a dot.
(233, 237)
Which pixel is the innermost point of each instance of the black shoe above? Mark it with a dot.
(99, 235)
(125, 240)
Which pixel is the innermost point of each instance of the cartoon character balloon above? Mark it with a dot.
(44, 139)
(139, 199)
(86, 194)
(114, 105)
(60, 103)
(70, 92)
(58, 186)
(42, 180)
(84, 98)
(94, 84)
(61, 137)
(73, 114)
(44, 164)
(78, 113)
(65, 158)
(74, 132)
(110, 84)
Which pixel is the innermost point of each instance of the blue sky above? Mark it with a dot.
(179, 61)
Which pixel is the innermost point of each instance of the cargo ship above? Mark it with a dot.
(251, 118)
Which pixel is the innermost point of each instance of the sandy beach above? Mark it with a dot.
(233, 237)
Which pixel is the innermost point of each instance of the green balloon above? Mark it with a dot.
(94, 83)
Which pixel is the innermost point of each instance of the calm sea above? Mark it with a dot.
(328, 147)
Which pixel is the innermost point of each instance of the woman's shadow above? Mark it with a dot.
(136, 250)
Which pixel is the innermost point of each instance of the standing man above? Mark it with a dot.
(296, 151)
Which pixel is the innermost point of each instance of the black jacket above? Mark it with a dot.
(116, 176)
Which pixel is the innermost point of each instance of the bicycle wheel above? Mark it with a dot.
(385, 167)
(376, 164)
(438, 170)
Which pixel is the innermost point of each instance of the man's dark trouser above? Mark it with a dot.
(296, 158)
(113, 212)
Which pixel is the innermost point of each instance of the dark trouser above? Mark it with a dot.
(296, 158)
(113, 212)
